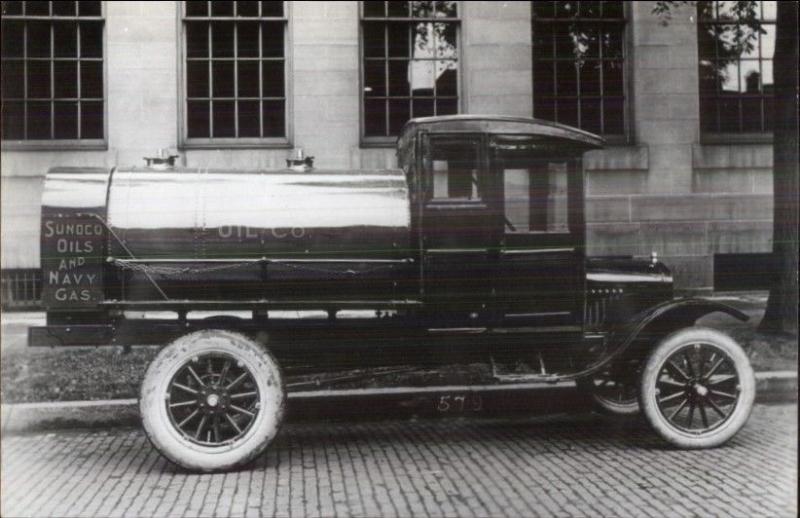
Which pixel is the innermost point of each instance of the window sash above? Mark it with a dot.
(80, 101)
(444, 102)
(580, 100)
(211, 142)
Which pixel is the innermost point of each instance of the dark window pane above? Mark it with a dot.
(273, 8)
(249, 119)
(197, 40)
(13, 121)
(244, 8)
(248, 81)
(224, 119)
(37, 8)
(708, 78)
(612, 37)
(66, 79)
(222, 39)
(566, 9)
(614, 116)
(543, 9)
(374, 8)
(221, 8)
(568, 112)
(399, 113)
(447, 9)
(612, 10)
(590, 9)
(399, 40)
(92, 39)
(446, 106)
(64, 8)
(612, 78)
(39, 79)
(92, 79)
(397, 8)
(374, 117)
(422, 9)
(12, 38)
(197, 79)
(66, 39)
(543, 79)
(590, 115)
(729, 115)
(374, 78)
(769, 107)
(88, 8)
(12, 8)
(274, 114)
(198, 119)
(422, 108)
(273, 78)
(587, 41)
(196, 8)
(38, 120)
(398, 78)
(38, 39)
(590, 78)
(751, 115)
(544, 109)
(13, 80)
(65, 119)
(708, 115)
(272, 34)
(222, 79)
(92, 120)
(566, 78)
(247, 39)
(543, 41)
(447, 78)
(374, 41)
(565, 46)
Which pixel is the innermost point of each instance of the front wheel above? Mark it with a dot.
(611, 393)
(697, 388)
(212, 400)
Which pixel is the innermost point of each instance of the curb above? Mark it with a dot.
(366, 404)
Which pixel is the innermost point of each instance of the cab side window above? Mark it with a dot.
(535, 196)
(452, 166)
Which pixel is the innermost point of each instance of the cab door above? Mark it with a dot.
(540, 271)
(458, 231)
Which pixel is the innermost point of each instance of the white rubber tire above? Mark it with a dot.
(193, 456)
(648, 394)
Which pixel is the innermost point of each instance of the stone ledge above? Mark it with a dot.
(618, 158)
(731, 156)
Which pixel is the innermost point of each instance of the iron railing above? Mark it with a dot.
(21, 289)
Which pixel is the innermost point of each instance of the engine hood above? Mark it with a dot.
(626, 271)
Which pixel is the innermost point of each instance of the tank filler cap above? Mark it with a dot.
(162, 160)
(299, 161)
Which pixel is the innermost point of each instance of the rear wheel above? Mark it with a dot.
(212, 400)
(697, 388)
(611, 393)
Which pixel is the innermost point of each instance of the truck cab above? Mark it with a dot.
(497, 212)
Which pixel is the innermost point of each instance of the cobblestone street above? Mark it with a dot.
(558, 465)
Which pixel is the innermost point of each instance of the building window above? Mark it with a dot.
(735, 68)
(52, 80)
(410, 64)
(235, 73)
(579, 65)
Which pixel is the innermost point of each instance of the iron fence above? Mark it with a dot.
(21, 289)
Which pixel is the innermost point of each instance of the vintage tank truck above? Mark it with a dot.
(474, 249)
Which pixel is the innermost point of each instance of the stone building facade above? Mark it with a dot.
(679, 176)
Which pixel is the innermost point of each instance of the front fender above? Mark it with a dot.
(644, 329)
(667, 317)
